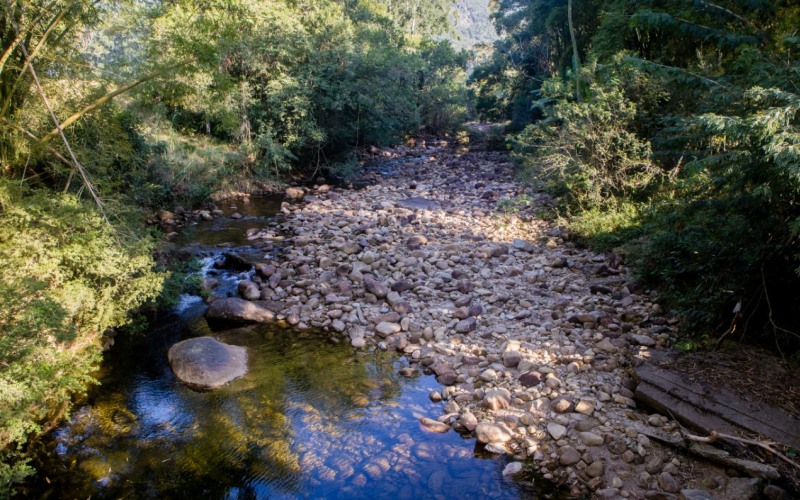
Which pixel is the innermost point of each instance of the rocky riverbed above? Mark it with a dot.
(530, 337)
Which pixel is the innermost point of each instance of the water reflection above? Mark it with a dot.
(311, 419)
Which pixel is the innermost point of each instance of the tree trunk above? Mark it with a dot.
(576, 60)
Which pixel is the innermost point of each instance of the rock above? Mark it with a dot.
(236, 215)
(466, 325)
(590, 439)
(416, 241)
(488, 375)
(249, 290)
(236, 262)
(447, 378)
(492, 433)
(522, 245)
(166, 216)
(205, 363)
(294, 193)
(668, 483)
(409, 372)
(568, 456)
(375, 288)
(206, 215)
(497, 399)
(605, 345)
(585, 407)
(556, 431)
(512, 468)
(530, 379)
(401, 286)
(469, 421)
(418, 204)
(385, 329)
(695, 495)
(596, 469)
(774, 492)
(642, 340)
(358, 342)
(561, 405)
(238, 310)
(741, 488)
(433, 425)
(511, 358)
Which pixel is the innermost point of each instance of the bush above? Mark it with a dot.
(66, 277)
(583, 151)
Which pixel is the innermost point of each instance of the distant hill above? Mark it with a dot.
(472, 24)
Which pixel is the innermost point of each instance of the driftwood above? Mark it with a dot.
(700, 449)
(717, 411)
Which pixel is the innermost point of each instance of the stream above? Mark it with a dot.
(312, 418)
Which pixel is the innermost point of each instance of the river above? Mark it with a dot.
(313, 417)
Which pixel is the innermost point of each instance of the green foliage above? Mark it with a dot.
(583, 151)
(66, 277)
(700, 96)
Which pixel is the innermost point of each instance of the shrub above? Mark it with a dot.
(583, 151)
(66, 277)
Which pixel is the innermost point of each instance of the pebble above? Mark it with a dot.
(531, 332)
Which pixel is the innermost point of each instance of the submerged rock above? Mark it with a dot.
(205, 363)
(238, 310)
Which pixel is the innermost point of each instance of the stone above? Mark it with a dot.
(375, 288)
(568, 456)
(585, 407)
(596, 469)
(774, 492)
(205, 363)
(511, 358)
(556, 431)
(497, 399)
(741, 488)
(605, 345)
(695, 495)
(492, 433)
(561, 405)
(512, 468)
(416, 241)
(530, 379)
(668, 483)
(433, 425)
(447, 378)
(469, 421)
(294, 193)
(590, 439)
(249, 290)
(385, 329)
(522, 245)
(642, 340)
(238, 310)
(466, 325)
(409, 372)
(418, 204)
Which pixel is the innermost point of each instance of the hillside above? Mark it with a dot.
(472, 23)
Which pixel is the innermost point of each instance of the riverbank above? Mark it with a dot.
(531, 338)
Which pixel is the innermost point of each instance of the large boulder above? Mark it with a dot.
(205, 363)
(239, 310)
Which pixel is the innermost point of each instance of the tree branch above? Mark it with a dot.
(106, 98)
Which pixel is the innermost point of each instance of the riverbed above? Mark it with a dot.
(312, 418)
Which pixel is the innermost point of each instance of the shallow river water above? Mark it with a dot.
(313, 418)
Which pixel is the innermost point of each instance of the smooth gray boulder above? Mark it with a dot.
(205, 363)
(240, 310)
